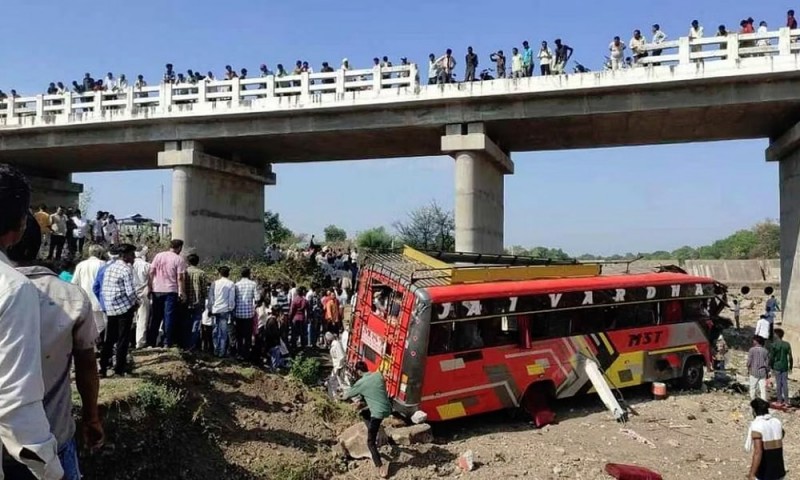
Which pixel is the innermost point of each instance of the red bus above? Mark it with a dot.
(458, 339)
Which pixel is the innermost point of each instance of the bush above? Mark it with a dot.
(153, 397)
(306, 370)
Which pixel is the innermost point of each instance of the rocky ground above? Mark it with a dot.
(186, 417)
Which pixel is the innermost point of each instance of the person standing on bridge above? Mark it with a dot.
(471, 63)
(617, 49)
(433, 69)
(563, 54)
(791, 22)
(447, 65)
(638, 44)
(527, 59)
(696, 32)
(545, 59)
(517, 70)
(659, 37)
(167, 281)
(169, 74)
(499, 59)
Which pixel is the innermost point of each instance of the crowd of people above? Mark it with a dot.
(441, 69)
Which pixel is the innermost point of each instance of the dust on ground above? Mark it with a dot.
(188, 417)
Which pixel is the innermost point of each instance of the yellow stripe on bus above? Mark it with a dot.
(672, 350)
(451, 410)
(606, 342)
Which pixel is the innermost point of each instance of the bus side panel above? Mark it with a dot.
(471, 382)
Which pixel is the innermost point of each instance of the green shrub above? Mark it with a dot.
(154, 397)
(306, 370)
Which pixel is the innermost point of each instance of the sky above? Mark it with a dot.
(600, 201)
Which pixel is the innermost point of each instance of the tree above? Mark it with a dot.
(428, 228)
(376, 240)
(334, 234)
(85, 202)
(768, 240)
(274, 229)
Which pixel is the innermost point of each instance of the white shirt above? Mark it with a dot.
(763, 42)
(696, 32)
(762, 328)
(110, 83)
(85, 275)
(545, 55)
(433, 69)
(659, 37)
(23, 424)
(292, 294)
(516, 63)
(337, 355)
(222, 296)
(80, 228)
(616, 49)
(637, 46)
(141, 274)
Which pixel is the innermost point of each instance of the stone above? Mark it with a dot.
(352, 442)
(411, 435)
(466, 461)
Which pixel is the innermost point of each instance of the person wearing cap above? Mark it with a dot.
(372, 388)
(68, 332)
(120, 299)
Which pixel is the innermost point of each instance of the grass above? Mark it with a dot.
(306, 370)
(154, 397)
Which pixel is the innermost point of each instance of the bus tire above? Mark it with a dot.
(536, 403)
(693, 372)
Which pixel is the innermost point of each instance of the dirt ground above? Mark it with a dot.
(230, 421)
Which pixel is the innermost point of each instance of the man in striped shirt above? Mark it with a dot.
(244, 313)
(758, 368)
(120, 299)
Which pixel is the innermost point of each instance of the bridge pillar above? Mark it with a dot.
(55, 192)
(480, 167)
(786, 151)
(217, 204)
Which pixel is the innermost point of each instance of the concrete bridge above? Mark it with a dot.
(221, 138)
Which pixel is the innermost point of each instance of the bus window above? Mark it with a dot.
(549, 325)
(450, 337)
(671, 312)
(386, 302)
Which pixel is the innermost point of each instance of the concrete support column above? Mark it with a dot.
(786, 151)
(217, 204)
(480, 167)
(55, 192)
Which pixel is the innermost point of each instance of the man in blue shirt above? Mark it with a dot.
(527, 59)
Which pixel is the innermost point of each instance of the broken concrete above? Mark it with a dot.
(352, 443)
(412, 435)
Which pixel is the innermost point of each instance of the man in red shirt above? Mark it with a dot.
(298, 313)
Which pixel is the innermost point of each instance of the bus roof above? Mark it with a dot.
(479, 291)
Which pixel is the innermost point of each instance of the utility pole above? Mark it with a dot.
(161, 213)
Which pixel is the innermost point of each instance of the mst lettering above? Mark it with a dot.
(642, 339)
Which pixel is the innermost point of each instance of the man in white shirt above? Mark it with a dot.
(637, 44)
(545, 58)
(337, 359)
(516, 64)
(617, 49)
(85, 275)
(141, 274)
(696, 32)
(222, 302)
(24, 428)
(762, 327)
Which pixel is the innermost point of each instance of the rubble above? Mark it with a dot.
(352, 443)
(411, 435)
(466, 461)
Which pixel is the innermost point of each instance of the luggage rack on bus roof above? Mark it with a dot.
(447, 268)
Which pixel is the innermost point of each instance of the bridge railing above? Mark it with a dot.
(731, 47)
(340, 87)
(270, 91)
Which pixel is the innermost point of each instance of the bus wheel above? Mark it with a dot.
(536, 403)
(692, 378)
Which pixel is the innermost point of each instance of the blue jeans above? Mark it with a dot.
(221, 321)
(782, 386)
(165, 307)
(197, 317)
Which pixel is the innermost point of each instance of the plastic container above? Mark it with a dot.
(659, 390)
